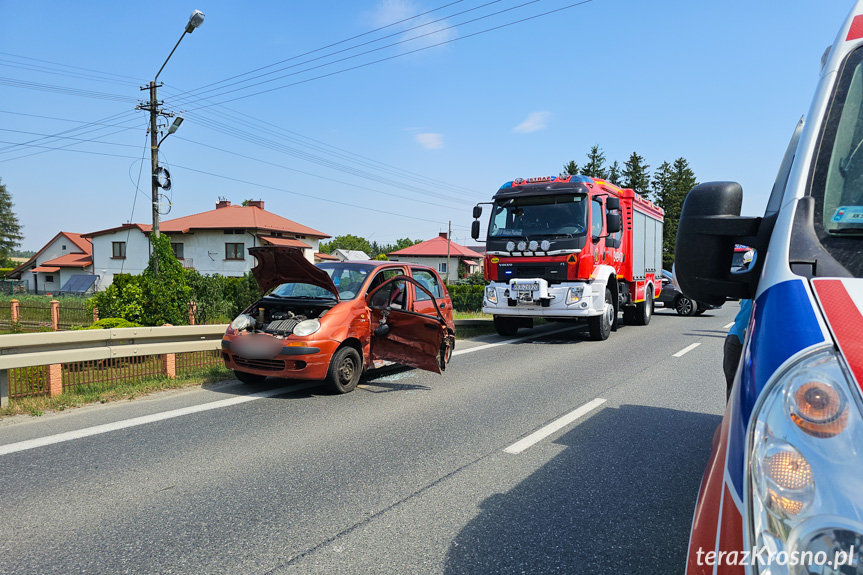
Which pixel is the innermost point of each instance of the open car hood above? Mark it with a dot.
(277, 265)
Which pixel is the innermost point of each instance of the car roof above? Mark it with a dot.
(377, 263)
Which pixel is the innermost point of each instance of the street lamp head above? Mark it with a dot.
(173, 128)
(195, 20)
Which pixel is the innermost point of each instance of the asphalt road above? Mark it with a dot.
(411, 473)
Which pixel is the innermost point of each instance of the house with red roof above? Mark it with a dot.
(67, 254)
(433, 253)
(212, 242)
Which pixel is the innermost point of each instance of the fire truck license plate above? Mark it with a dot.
(526, 287)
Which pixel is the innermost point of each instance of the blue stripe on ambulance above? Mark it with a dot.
(785, 323)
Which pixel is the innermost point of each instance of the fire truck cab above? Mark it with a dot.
(570, 247)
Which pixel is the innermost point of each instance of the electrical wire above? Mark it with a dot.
(487, 30)
(135, 195)
(71, 66)
(199, 91)
(327, 46)
(47, 70)
(74, 139)
(15, 83)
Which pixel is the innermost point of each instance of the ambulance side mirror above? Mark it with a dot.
(612, 223)
(710, 225)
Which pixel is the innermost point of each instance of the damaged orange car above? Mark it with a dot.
(335, 320)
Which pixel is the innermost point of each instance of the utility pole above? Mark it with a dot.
(448, 245)
(195, 20)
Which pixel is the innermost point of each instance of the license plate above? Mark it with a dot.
(526, 287)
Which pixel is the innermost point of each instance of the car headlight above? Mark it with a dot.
(805, 470)
(243, 321)
(491, 294)
(307, 327)
(574, 295)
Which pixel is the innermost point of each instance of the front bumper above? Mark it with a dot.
(591, 303)
(301, 360)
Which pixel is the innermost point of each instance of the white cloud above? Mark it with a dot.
(428, 31)
(535, 122)
(430, 141)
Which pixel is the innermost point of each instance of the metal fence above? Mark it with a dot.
(34, 316)
(74, 314)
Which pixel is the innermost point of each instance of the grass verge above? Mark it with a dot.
(103, 393)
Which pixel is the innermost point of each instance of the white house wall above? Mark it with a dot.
(203, 250)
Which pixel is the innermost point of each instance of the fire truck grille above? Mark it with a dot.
(551, 272)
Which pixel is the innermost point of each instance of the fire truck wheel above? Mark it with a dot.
(685, 306)
(600, 326)
(644, 309)
(506, 326)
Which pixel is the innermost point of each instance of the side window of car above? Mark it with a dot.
(391, 295)
(429, 281)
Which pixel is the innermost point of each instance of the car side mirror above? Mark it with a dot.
(382, 330)
(710, 225)
(612, 223)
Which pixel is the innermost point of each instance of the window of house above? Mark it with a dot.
(234, 251)
(441, 267)
(178, 250)
(63, 247)
(49, 279)
(118, 250)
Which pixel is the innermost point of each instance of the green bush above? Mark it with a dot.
(466, 297)
(111, 323)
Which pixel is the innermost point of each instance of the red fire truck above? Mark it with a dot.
(570, 247)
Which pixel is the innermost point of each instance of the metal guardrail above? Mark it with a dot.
(49, 348)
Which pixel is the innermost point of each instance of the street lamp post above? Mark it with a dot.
(195, 20)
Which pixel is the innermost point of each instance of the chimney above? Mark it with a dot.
(257, 203)
(222, 204)
(442, 235)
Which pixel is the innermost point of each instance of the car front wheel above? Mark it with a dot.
(345, 370)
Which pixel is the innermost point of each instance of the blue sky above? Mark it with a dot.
(417, 138)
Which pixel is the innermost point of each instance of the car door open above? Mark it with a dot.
(402, 336)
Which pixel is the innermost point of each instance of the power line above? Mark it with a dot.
(398, 55)
(411, 39)
(47, 70)
(352, 185)
(15, 83)
(137, 80)
(45, 136)
(327, 46)
(327, 200)
(200, 91)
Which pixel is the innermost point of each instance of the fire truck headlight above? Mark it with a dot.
(574, 295)
(533, 245)
(522, 246)
(545, 245)
(510, 246)
(799, 473)
(491, 294)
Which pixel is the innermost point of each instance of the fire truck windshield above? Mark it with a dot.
(556, 215)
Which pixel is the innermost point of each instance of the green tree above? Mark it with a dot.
(570, 169)
(10, 229)
(166, 297)
(636, 175)
(671, 183)
(614, 173)
(595, 166)
(346, 242)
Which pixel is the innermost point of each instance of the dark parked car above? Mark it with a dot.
(671, 297)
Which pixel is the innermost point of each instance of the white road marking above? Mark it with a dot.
(555, 425)
(99, 429)
(509, 341)
(727, 326)
(686, 350)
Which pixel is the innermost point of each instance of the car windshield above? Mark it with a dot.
(558, 215)
(348, 278)
(301, 290)
(837, 182)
